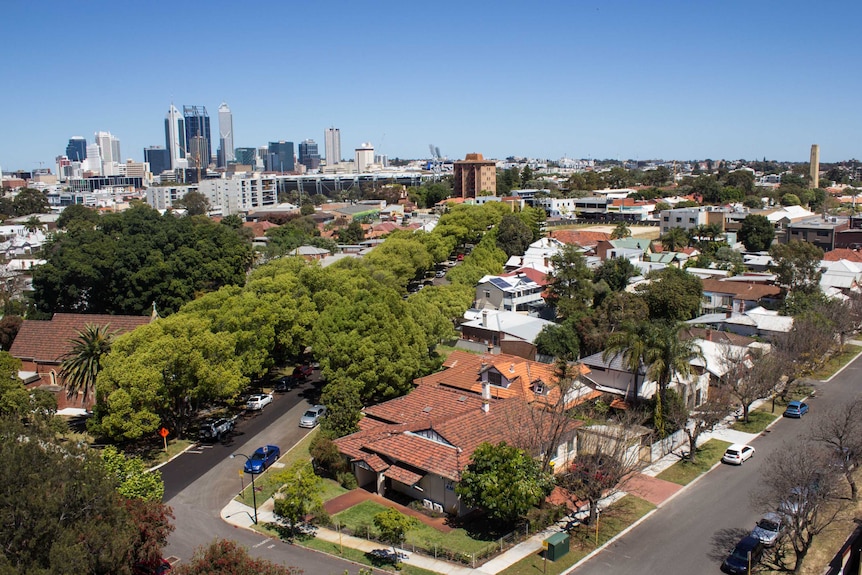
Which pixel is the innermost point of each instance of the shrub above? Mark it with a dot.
(347, 480)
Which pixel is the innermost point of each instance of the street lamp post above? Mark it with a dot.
(253, 492)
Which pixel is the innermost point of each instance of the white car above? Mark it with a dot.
(312, 416)
(737, 454)
(768, 529)
(258, 402)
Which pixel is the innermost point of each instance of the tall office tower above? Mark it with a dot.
(76, 149)
(198, 136)
(308, 155)
(245, 156)
(159, 159)
(175, 138)
(225, 133)
(364, 157)
(93, 161)
(106, 148)
(280, 156)
(473, 175)
(814, 167)
(332, 144)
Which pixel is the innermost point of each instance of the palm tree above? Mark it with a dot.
(621, 231)
(674, 239)
(631, 344)
(82, 363)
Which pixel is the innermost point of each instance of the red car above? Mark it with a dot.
(160, 567)
(303, 370)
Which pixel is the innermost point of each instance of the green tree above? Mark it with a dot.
(343, 408)
(513, 235)
(674, 239)
(393, 526)
(797, 265)
(133, 479)
(672, 294)
(195, 203)
(9, 326)
(504, 481)
(756, 232)
(307, 208)
(78, 213)
(790, 200)
(29, 201)
(559, 341)
(81, 364)
(299, 494)
(616, 273)
(570, 286)
(621, 231)
(226, 557)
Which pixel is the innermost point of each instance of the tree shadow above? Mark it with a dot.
(300, 532)
(724, 541)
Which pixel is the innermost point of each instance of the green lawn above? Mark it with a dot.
(359, 557)
(359, 519)
(684, 472)
(758, 419)
(836, 362)
(583, 538)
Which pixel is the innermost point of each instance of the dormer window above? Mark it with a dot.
(539, 388)
(494, 378)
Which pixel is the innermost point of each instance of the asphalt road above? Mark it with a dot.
(695, 531)
(199, 483)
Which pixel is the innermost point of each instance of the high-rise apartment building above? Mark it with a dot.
(109, 151)
(93, 161)
(308, 154)
(332, 145)
(175, 138)
(364, 157)
(473, 175)
(245, 156)
(159, 159)
(76, 149)
(225, 133)
(280, 157)
(198, 136)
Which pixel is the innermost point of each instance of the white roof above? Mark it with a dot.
(517, 325)
(715, 356)
(790, 213)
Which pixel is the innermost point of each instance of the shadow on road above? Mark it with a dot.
(724, 541)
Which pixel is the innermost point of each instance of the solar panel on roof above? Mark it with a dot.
(500, 283)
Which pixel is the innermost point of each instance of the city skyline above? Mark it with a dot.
(617, 79)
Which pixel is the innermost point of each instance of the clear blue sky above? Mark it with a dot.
(601, 79)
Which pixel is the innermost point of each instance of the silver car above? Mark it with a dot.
(768, 529)
(312, 416)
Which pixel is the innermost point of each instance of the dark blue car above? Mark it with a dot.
(262, 458)
(796, 409)
(746, 554)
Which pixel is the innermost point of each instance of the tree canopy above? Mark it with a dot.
(756, 233)
(672, 294)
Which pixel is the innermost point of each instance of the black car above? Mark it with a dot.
(746, 554)
(285, 383)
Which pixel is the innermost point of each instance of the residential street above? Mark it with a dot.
(692, 533)
(199, 483)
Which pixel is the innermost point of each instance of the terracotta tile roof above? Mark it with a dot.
(48, 341)
(843, 254)
(740, 290)
(533, 274)
(258, 229)
(429, 405)
(581, 238)
(403, 475)
(375, 463)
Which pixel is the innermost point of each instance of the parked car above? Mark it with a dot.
(768, 529)
(440, 274)
(303, 371)
(312, 416)
(796, 409)
(216, 429)
(746, 553)
(258, 401)
(285, 383)
(262, 458)
(737, 453)
(158, 567)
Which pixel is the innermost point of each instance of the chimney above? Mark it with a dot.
(486, 395)
(708, 334)
(484, 318)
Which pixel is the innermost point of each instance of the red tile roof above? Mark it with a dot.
(843, 254)
(740, 290)
(48, 341)
(404, 475)
(533, 274)
(583, 238)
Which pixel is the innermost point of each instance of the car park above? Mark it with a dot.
(262, 458)
(768, 529)
(745, 555)
(796, 409)
(258, 401)
(285, 383)
(312, 416)
(737, 454)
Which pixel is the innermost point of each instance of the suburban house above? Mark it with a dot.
(518, 291)
(731, 295)
(756, 322)
(839, 278)
(582, 238)
(310, 253)
(607, 249)
(538, 255)
(41, 346)
(419, 444)
(822, 231)
(514, 333)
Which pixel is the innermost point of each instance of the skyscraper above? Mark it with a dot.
(225, 132)
(76, 149)
(308, 154)
(364, 157)
(245, 156)
(280, 156)
(175, 138)
(198, 136)
(332, 143)
(109, 151)
(159, 159)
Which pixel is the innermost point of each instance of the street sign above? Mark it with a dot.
(164, 432)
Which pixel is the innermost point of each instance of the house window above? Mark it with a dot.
(487, 294)
(570, 445)
(494, 378)
(540, 388)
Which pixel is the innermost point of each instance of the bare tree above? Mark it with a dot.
(841, 317)
(841, 431)
(804, 489)
(806, 346)
(608, 456)
(750, 375)
(700, 419)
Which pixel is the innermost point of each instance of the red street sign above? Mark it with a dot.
(164, 432)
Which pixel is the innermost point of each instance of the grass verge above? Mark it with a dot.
(359, 557)
(758, 420)
(684, 472)
(582, 541)
(836, 362)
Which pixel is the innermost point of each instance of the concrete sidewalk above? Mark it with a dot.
(645, 485)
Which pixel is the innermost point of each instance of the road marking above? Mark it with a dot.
(194, 451)
(264, 542)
